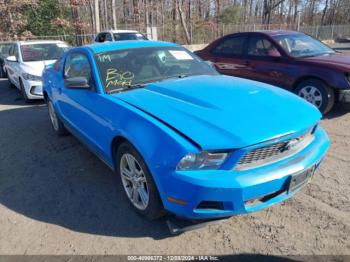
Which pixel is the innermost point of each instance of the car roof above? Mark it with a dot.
(279, 32)
(270, 32)
(123, 31)
(40, 42)
(119, 45)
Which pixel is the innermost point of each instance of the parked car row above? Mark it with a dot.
(287, 59)
(183, 138)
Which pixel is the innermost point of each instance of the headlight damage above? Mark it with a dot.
(202, 160)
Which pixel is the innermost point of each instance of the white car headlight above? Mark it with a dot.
(202, 160)
(31, 77)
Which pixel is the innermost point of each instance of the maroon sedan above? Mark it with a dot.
(287, 59)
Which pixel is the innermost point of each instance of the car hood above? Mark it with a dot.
(340, 61)
(37, 67)
(222, 112)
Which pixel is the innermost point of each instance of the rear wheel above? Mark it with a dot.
(317, 93)
(57, 124)
(137, 182)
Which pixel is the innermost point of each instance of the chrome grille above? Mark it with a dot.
(274, 152)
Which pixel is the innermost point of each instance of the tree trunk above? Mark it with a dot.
(114, 15)
(183, 22)
(174, 22)
(97, 16)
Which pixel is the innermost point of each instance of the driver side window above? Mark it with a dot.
(78, 65)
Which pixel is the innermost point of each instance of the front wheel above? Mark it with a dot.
(23, 92)
(317, 93)
(57, 124)
(137, 182)
(10, 84)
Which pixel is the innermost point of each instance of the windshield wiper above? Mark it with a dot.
(160, 79)
(125, 87)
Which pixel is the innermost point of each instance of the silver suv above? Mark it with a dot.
(118, 35)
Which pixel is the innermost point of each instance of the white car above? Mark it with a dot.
(26, 62)
(118, 35)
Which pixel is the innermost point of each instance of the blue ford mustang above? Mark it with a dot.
(183, 138)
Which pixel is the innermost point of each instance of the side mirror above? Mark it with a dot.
(77, 83)
(11, 58)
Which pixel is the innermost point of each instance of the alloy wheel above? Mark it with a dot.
(53, 116)
(312, 95)
(134, 181)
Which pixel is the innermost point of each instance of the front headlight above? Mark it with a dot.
(202, 160)
(31, 77)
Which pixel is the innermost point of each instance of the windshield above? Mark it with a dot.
(121, 70)
(129, 36)
(300, 45)
(41, 52)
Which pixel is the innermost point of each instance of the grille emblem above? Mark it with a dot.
(292, 143)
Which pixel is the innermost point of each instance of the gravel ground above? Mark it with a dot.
(58, 198)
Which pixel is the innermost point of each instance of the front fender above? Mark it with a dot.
(160, 146)
(333, 78)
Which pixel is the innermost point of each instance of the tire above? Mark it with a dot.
(136, 180)
(23, 92)
(318, 93)
(10, 83)
(57, 124)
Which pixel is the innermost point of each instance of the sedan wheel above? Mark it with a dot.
(134, 181)
(23, 91)
(317, 93)
(55, 121)
(312, 95)
(53, 116)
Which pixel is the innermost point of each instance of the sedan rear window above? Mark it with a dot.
(230, 46)
(129, 36)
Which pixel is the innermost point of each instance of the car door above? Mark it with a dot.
(79, 107)
(266, 63)
(228, 56)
